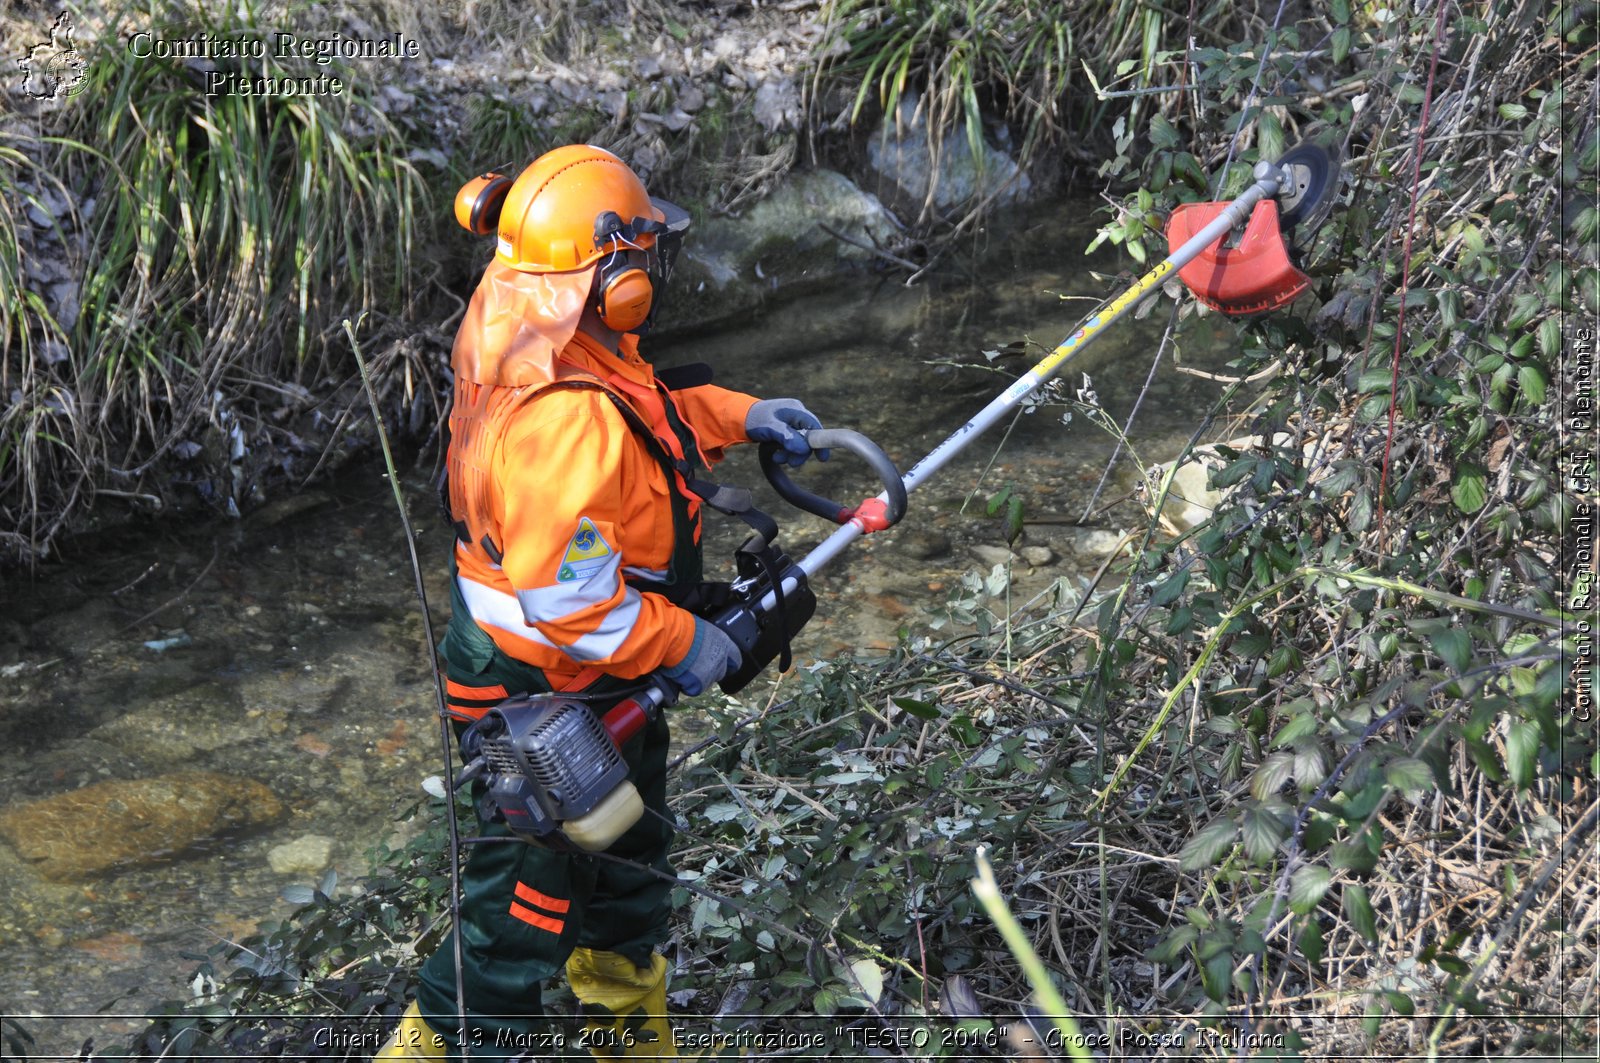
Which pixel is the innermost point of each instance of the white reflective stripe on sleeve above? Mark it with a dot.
(636, 572)
(552, 603)
(605, 640)
(493, 608)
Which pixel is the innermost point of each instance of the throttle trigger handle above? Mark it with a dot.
(870, 516)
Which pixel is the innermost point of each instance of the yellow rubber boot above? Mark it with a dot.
(624, 1007)
(413, 1039)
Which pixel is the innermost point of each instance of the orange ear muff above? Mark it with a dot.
(479, 201)
(624, 294)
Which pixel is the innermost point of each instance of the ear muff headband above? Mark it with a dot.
(479, 201)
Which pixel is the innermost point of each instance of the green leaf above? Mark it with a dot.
(1352, 854)
(1235, 472)
(1319, 831)
(1307, 888)
(1530, 379)
(1217, 975)
(922, 710)
(1262, 832)
(1362, 803)
(1282, 660)
(1170, 950)
(1251, 646)
(1168, 592)
(722, 812)
(1550, 337)
(1269, 136)
(1163, 136)
(1358, 907)
(1341, 44)
(1207, 847)
(1408, 775)
(1014, 520)
(1522, 753)
(1271, 775)
(1513, 112)
(1310, 942)
(1454, 646)
(1310, 766)
(1303, 725)
(1377, 378)
(962, 727)
(1360, 511)
(1468, 487)
(866, 981)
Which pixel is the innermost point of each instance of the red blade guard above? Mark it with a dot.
(1251, 278)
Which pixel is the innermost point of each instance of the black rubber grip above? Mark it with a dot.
(836, 439)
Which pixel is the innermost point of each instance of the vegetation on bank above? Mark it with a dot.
(1309, 772)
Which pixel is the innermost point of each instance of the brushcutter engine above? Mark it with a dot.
(551, 766)
(552, 773)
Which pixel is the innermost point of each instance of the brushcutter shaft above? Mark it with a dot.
(1269, 178)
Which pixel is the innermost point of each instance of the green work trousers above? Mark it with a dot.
(525, 908)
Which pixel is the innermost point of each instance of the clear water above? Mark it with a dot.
(293, 647)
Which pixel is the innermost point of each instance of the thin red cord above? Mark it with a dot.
(1405, 266)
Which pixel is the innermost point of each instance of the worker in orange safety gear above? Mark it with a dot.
(577, 568)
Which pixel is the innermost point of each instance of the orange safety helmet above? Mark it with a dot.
(571, 209)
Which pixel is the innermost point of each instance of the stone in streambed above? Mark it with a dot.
(307, 855)
(134, 821)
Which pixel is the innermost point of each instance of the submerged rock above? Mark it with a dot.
(731, 265)
(913, 170)
(133, 821)
(306, 855)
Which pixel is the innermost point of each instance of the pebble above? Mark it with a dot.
(115, 947)
(992, 555)
(310, 743)
(925, 545)
(1097, 541)
(305, 855)
(1037, 556)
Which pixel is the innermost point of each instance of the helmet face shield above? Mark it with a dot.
(669, 238)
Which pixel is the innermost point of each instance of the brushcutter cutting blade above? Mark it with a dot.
(1311, 184)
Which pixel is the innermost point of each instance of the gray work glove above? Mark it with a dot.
(712, 656)
(780, 421)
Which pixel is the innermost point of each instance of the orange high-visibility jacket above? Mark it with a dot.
(563, 502)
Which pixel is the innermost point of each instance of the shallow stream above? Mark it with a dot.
(286, 647)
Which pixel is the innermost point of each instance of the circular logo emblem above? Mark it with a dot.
(68, 73)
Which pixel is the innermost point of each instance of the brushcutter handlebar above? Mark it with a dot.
(877, 514)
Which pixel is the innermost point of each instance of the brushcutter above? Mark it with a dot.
(551, 764)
